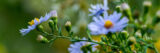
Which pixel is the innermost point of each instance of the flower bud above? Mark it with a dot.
(55, 19)
(51, 24)
(40, 28)
(158, 14)
(125, 7)
(124, 34)
(138, 34)
(118, 8)
(126, 11)
(42, 39)
(147, 5)
(68, 26)
(131, 40)
(54, 16)
(156, 19)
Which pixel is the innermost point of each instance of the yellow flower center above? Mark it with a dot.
(32, 22)
(108, 24)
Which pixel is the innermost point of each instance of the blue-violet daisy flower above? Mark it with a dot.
(36, 21)
(112, 23)
(78, 47)
(97, 10)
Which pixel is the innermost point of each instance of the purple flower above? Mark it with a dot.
(97, 10)
(36, 21)
(103, 25)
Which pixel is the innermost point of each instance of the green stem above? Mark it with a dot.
(89, 35)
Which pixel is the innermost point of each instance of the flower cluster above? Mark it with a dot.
(119, 31)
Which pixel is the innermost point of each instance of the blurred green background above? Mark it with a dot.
(15, 15)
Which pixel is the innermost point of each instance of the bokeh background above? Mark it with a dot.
(15, 15)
